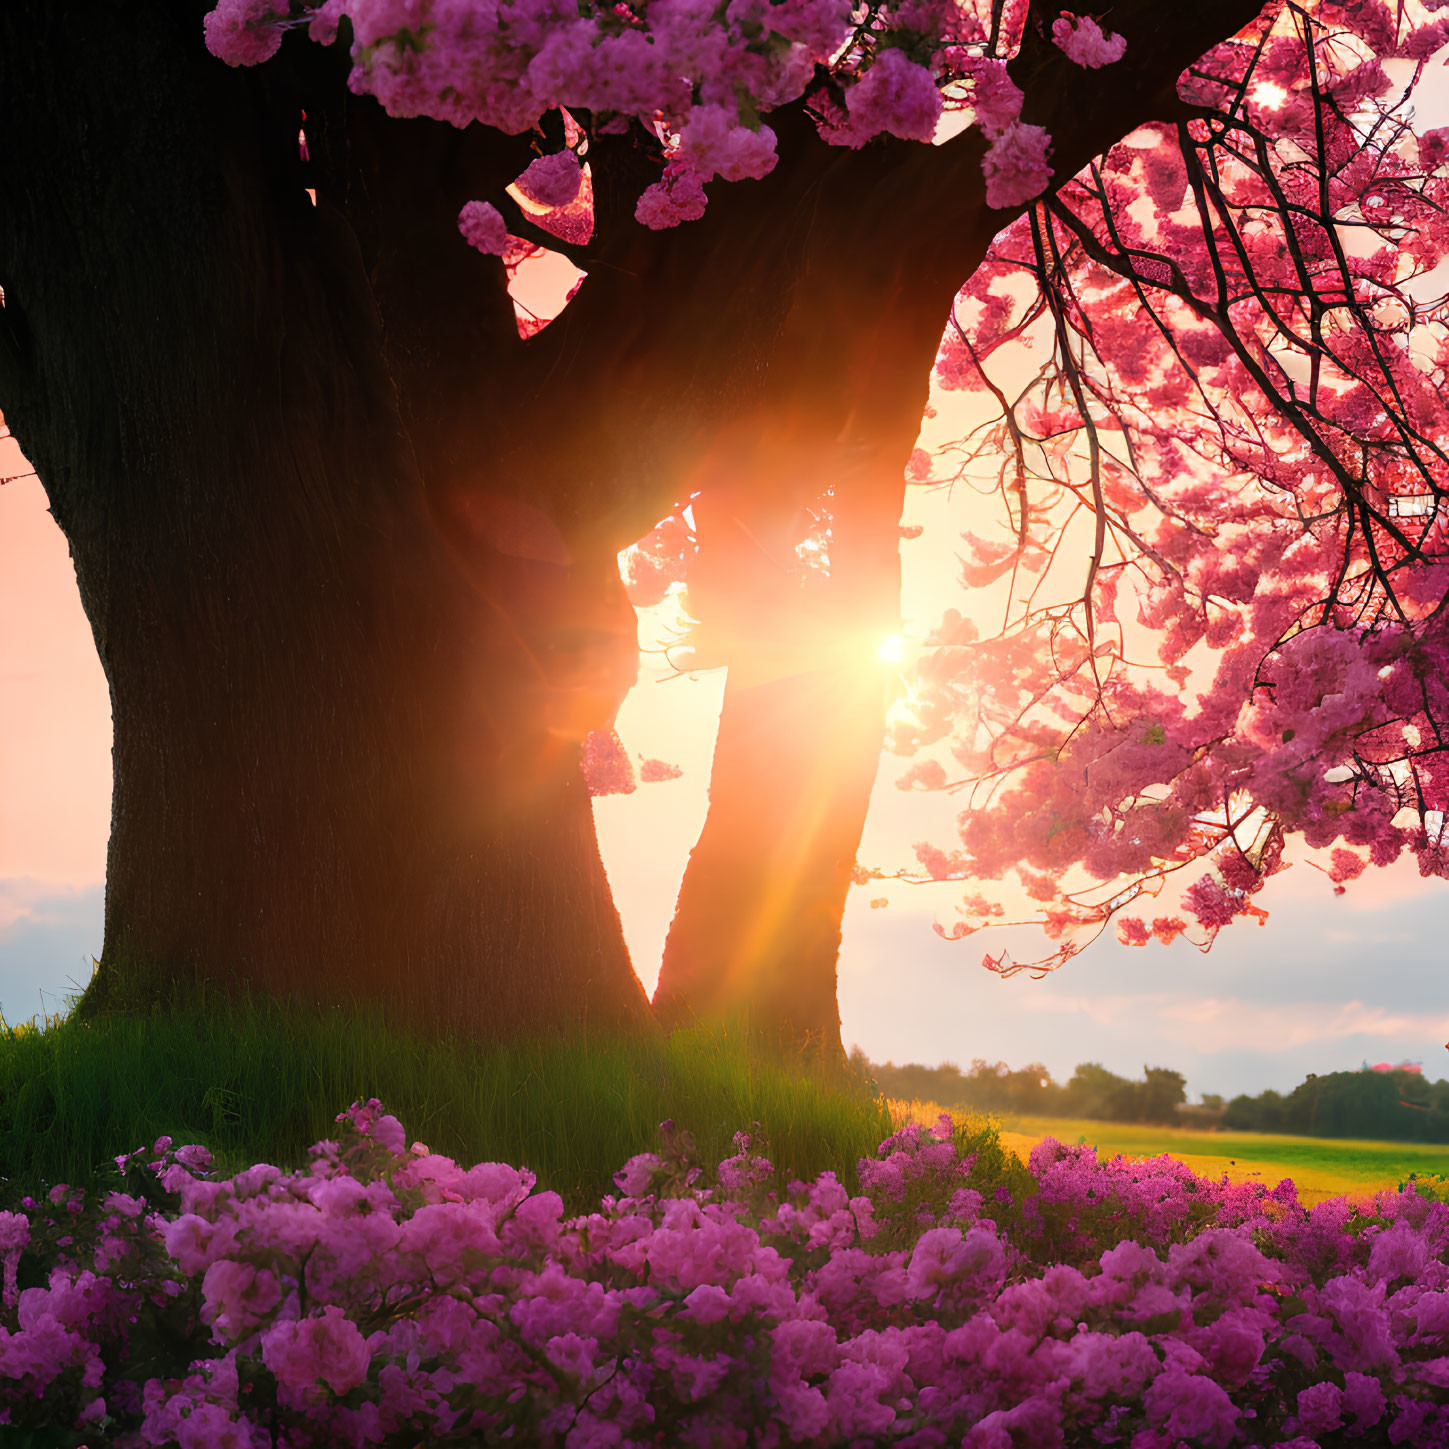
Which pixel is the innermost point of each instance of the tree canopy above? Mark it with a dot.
(1242, 416)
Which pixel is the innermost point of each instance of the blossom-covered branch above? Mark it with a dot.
(1246, 399)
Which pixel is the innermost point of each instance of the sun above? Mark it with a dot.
(891, 649)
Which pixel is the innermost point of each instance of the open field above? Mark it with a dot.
(1320, 1167)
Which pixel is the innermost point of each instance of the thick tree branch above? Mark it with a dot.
(857, 255)
(1089, 111)
(446, 314)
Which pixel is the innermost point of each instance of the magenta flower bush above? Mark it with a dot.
(386, 1295)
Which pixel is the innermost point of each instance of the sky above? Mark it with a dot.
(1326, 984)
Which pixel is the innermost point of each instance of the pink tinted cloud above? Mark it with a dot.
(1212, 1024)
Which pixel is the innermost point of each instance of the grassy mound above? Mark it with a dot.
(257, 1080)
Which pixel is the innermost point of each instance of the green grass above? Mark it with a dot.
(259, 1081)
(1321, 1167)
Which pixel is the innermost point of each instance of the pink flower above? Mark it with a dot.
(678, 197)
(388, 1132)
(894, 95)
(606, 764)
(323, 25)
(237, 1297)
(995, 97)
(14, 1235)
(14, 1231)
(245, 32)
(1210, 903)
(925, 774)
(194, 1158)
(1081, 40)
(1036, 1421)
(1113, 1364)
(803, 1412)
(943, 1259)
(446, 1234)
(1362, 1320)
(483, 227)
(43, 1350)
(1434, 148)
(936, 862)
(1132, 931)
(574, 1355)
(1398, 1252)
(706, 1304)
(1363, 1397)
(328, 1347)
(1016, 167)
(682, 1296)
(552, 180)
(1191, 1406)
(498, 1183)
(1320, 1408)
(713, 143)
(188, 1240)
(820, 26)
(855, 1394)
(801, 1347)
(764, 1295)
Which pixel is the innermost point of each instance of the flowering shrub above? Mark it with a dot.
(387, 1295)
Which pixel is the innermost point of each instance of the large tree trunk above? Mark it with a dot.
(345, 542)
(756, 931)
(342, 796)
(757, 928)
(346, 724)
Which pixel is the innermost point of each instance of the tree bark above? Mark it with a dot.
(756, 932)
(757, 927)
(346, 737)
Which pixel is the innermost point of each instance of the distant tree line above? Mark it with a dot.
(984, 1086)
(1397, 1106)
(1400, 1106)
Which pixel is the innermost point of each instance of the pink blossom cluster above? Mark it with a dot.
(607, 767)
(386, 1295)
(1082, 40)
(608, 770)
(694, 78)
(1016, 166)
(552, 180)
(895, 96)
(1259, 650)
(483, 227)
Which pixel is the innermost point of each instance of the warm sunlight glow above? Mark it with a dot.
(891, 649)
(1269, 96)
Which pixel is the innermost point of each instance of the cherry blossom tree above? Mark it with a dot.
(345, 524)
(1242, 415)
